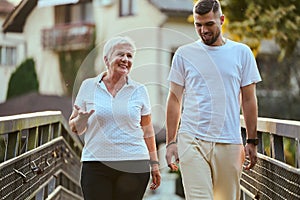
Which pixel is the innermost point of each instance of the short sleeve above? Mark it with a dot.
(250, 72)
(176, 73)
(146, 109)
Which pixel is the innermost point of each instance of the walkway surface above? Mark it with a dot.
(166, 191)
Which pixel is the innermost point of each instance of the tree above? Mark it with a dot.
(252, 21)
(23, 80)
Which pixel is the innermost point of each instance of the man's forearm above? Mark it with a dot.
(250, 117)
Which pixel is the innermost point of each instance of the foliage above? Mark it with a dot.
(252, 21)
(289, 146)
(70, 63)
(23, 80)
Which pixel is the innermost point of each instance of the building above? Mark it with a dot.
(12, 50)
(65, 40)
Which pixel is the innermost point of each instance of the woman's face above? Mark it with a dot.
(121, 58)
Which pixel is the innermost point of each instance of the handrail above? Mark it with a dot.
(24, 132)
(41, 169)
(286, 128)
(38, 153)
(278, 129)
(273, 177)
(28, 120)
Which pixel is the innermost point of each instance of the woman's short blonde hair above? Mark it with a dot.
(111, 43)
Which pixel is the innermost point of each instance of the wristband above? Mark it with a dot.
(252, 141)
(153, 162)
(170, 144)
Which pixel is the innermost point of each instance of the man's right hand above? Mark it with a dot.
(172, 151)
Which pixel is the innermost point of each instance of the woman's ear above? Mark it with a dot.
(106, 61)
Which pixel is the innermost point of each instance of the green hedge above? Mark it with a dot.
(23, 80)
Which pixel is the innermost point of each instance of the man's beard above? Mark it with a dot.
(212, 40)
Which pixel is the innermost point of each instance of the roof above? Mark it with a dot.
(17, 18)
(5, 7)
(34, 102)
(181, 8)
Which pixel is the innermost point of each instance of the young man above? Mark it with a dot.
(208, 79)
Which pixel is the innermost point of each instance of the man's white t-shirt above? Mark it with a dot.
(212, 78)
(114, 132)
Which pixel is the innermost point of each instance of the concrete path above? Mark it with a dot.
(166, 191)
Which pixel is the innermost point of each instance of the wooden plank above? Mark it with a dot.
(12, 145)
(32, 138)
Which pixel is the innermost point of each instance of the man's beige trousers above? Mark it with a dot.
(210, 171)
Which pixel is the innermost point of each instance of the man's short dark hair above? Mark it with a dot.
(205, 6)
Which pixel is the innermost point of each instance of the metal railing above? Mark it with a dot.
(276, 174)
(66, 37)
(39, 158)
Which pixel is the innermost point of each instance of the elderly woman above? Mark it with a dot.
(113, 113)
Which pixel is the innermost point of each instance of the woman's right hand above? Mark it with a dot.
(80, 119)
(155, 173)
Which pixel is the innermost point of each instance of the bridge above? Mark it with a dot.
(40, 159)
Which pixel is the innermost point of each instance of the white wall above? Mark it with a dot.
(12, 40)
(47, 62)
(155, 39)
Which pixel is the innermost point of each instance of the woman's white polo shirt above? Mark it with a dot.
(114, 132)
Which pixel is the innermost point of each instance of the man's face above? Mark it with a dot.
(208, 27)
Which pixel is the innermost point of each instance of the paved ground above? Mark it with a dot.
(166, 191)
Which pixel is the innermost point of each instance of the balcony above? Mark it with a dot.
(68, 37)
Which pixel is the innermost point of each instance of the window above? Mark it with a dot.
(81, 12)
(8, 55)
(127, 7)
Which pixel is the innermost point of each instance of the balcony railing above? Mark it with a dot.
(68, 37)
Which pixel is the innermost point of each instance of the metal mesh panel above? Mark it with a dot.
(23, 176)
(270, 181)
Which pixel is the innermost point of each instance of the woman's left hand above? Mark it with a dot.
(155, 173)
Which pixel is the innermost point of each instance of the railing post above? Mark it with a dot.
(2, 148)
(32, 138)
(55, 130)
(277, 149)
(13, 145)
(260, 144)
(297, 156)
(43, 134)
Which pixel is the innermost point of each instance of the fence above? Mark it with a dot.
(276, 174)
(39, 159)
